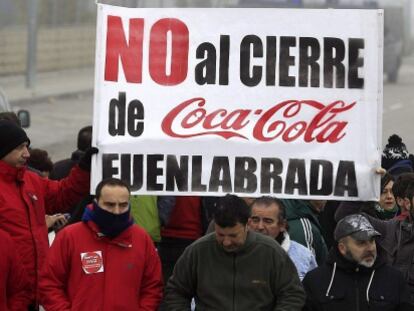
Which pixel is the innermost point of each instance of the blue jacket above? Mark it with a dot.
(302, 257)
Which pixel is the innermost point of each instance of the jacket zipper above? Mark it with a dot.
(356, 291)
(33, 239)
(234, 282)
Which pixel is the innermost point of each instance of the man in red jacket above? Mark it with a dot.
(105, 262)
(25, 197)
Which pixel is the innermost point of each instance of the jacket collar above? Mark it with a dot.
(404, 216)
(124, 239)
(335, 256)
(10, 173)
(286, 241)
(248, 243)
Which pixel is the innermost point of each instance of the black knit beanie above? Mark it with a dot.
(11, 136)
(393, 152)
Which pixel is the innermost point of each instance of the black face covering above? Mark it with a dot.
(110, 224)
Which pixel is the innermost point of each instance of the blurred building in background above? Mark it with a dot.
(52, 35)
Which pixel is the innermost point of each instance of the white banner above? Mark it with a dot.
(283, 102)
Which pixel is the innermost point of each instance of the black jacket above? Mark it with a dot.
(397, 240)
(342, 285)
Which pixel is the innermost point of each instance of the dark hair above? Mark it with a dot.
(368, 207)
(385, 180)
(39, 159)
(411, 158)
(267, 201)
(409, 192)
(85, 138)
(401, 184)
(112, 182)
(231, 210)
(355, 207)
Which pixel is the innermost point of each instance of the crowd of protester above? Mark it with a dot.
(117, 251)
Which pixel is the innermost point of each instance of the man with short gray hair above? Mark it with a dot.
(268, 217)
(355, 277)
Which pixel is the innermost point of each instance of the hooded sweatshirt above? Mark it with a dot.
(304, 227)
(340, 284)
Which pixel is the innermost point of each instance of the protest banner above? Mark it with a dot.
(284, 102)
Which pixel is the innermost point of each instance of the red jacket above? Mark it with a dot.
(185, 219)
(24, 198)
(86, 271)
(14, 287)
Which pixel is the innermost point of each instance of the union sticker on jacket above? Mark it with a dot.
(92, 262)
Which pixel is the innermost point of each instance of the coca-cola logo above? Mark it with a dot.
(282, 121)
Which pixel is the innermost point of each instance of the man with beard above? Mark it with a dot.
(354, 277)
(397, 234)
(234, 269)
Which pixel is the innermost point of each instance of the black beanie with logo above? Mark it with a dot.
(11, 136)
(394, 152)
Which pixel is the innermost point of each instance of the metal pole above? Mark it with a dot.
(79, 5)
(54, 9)
(31, 43)
(407, 31)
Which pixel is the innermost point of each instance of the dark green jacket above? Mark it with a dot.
(305, 229)
(259, 276)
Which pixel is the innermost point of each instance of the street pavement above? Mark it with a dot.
(59, 105)
(47, 85)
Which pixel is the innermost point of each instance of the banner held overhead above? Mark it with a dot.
(284, 102)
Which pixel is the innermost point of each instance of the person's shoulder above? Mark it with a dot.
(391, 272)
(266, 242)
(32, 175)
(33, 179)
(73, 234)
(205, 240)
(263, 239)
(319, 273)
(74, 229)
